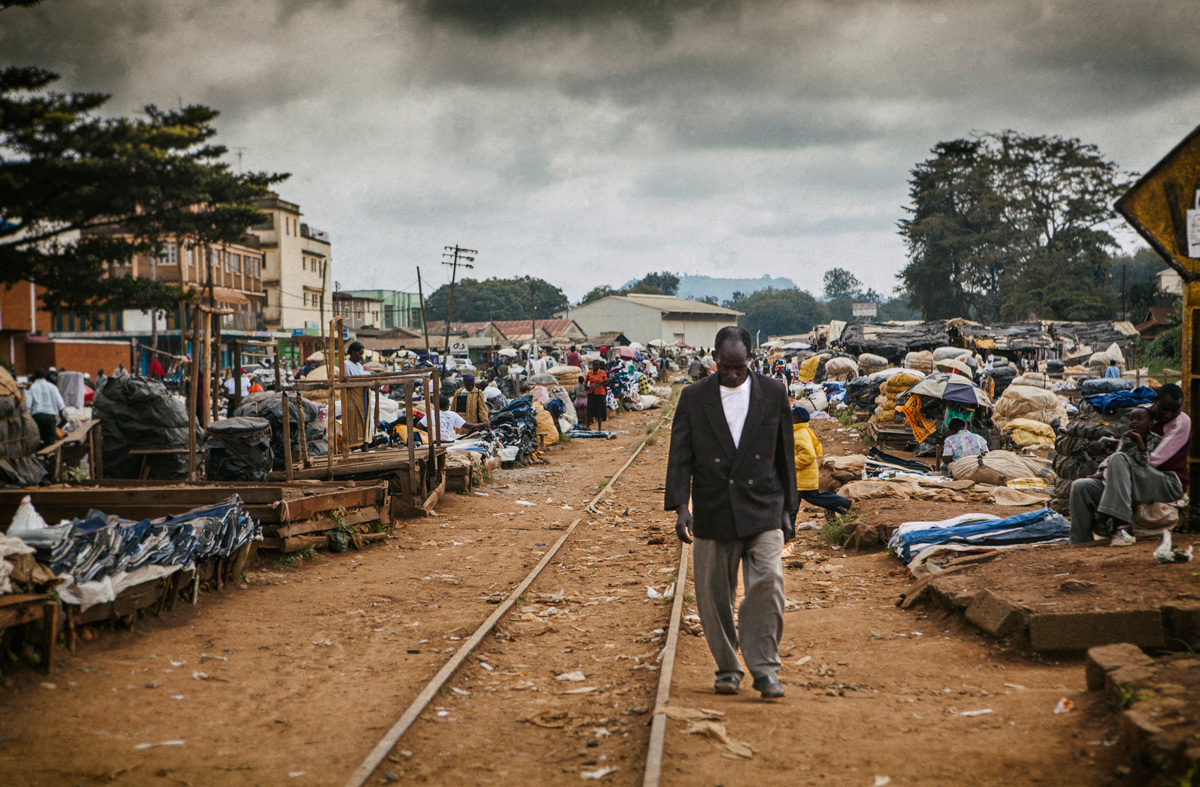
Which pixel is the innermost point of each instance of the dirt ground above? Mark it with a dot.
(293, 677)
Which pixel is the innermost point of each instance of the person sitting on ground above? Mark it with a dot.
(962, 442)
(45, 405)
(1103, 504)
(1113, 372)
(1138, 442)
(596, 383)
(808, 452)
(451, 424)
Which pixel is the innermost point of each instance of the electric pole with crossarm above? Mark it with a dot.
(458, 256)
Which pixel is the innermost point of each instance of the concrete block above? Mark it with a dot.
(995, 615)
(1103, 659)
(1076, 631)
(1183, 623)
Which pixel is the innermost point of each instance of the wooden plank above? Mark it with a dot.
(306, 507)
(287, 432)
(22, 598)
(356, 517)
(49, 634)
(411, 443)
(300, 543)
(136, 494)
(19, 614)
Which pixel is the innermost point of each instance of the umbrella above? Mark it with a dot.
(636, 345)
(769, 345)
(656, 343)
(627, 352)
(951, 388)
(797, 346)
(953, 365)
(507, 352)
(317, 357)
(683, 345)
(320, 373)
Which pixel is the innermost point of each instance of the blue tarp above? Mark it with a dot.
(1030, 527)
(1108, 402)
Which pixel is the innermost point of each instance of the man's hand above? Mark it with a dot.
(684, 524)
(789, 525)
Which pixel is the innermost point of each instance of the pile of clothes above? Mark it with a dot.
(99, 555)
(515, 427)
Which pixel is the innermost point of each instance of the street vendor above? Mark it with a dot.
(354, 419)
(469, 402)
(1103, 504)
(962, 442)
(596, 384)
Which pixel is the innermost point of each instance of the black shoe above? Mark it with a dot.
(769, 686)
(726, 686)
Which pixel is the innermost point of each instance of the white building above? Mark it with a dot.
(644, 318)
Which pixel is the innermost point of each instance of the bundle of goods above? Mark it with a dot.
(892, 387)
(810, 396)
(1003, 373)
(916, 542)
(269, 405)
(1032, 379)
(567, 376)
(100, 555)
(139, 413)
(946, 353)
(1054, 368)
(1080, 447)
(19, 438)
(1119, 400)
(238, 449)
(1000, 467)
(861, 392)
(560, 393)
(542, 379)
(920, 361)
(1104, 385)
(1026, 432)
(516, 427)
(868, 363)
(844, 469)
(1031, 403)
(838, 368)
(547, 428)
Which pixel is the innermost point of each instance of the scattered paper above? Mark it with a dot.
(1064, 706)
(599, 773)
(581, 690)
(575, 676)
(322, 643)
(983, 712)
(652, 593)
(481, 494)
(882, 781)
(144, 746)
(691, 714)
(48, 686)
(523, 502)
(296, 774)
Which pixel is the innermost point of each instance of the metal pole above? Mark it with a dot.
(424, 322)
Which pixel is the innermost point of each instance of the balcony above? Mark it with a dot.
(244, 321)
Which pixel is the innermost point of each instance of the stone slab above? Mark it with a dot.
(1078, 631)
(995, 615)
(1103, 659)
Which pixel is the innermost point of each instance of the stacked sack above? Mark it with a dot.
(567, 376)
(869, 363)
(139, 413)
(1030, 413)
(1080, 449)
(920, 361)
(889, 389)
(19, 438)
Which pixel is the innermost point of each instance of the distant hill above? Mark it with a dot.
(698, 287)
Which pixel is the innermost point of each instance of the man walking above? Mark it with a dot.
(45, 405)
(732, 455)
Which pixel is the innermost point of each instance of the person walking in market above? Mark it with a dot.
(45, 405)
(808, 453)
(596, 384)
(731, 457)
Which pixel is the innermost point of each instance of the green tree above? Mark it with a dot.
(841, 283)
(496, 299)
(603, 291)
(662, 283)
(773, 312)
(1011, 227)
(1135, 278)
(79, 192)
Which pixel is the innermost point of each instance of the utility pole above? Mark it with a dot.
(457, 255)
(533, 349)
(1124, 302)
(421, 299)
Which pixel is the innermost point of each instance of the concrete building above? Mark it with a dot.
(20, 316)
(296, 277)
(398, 309)
(645, 318)
(357, 311)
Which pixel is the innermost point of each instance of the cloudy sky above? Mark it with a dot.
(590, 141)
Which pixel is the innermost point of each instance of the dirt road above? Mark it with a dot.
(293, 678)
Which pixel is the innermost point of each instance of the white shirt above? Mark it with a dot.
(736, 403)
(449, 422)
(245, 386)
(44, 398)
(354, 369)
(491, 392)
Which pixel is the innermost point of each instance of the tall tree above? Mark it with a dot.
(841, 283)
(1008, 226)
(79, 192)
(772, 312)
(496, 299)
(662, 283)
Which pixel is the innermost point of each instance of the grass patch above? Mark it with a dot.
(652, 439)
(833, 532)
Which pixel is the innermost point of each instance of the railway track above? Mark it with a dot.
(437, 688)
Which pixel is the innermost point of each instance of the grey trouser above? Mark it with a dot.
(1125, 483)
(760, 617)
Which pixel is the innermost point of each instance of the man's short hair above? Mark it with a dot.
(355, 347)
(1172, 392)
(444, 402)
(736, 332)
(955, 429)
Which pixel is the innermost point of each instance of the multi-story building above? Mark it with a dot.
(357, 311)
(397, 309)
(297, 279)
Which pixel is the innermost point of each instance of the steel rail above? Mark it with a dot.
(378, 754)
(658, 725)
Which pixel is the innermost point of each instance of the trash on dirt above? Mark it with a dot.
(551, 720)
(296, 774)
(575, 676)
(800, 662)
(144, 746)
(652, 593)
(691, 714)
(601, 732)
(1064, 706)
(882, 781)
(1014, 686)
(599, 773)
(523, 502)
(1166, 554)
(581, 690)
(656, 541)
(715, 731)
(983, 712)
(176, 696)
(322, 643)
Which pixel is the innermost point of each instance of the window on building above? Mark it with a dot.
(191, 257)
(228, 261)
(237, 263)
(168, 255)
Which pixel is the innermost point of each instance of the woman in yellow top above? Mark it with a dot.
(808, 472)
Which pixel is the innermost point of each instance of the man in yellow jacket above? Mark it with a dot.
(808, 472)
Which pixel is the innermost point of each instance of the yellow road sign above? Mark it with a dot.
(1164, 207)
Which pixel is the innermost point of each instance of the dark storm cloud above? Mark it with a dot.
(492, 18)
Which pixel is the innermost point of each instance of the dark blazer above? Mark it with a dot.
(734, 493)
